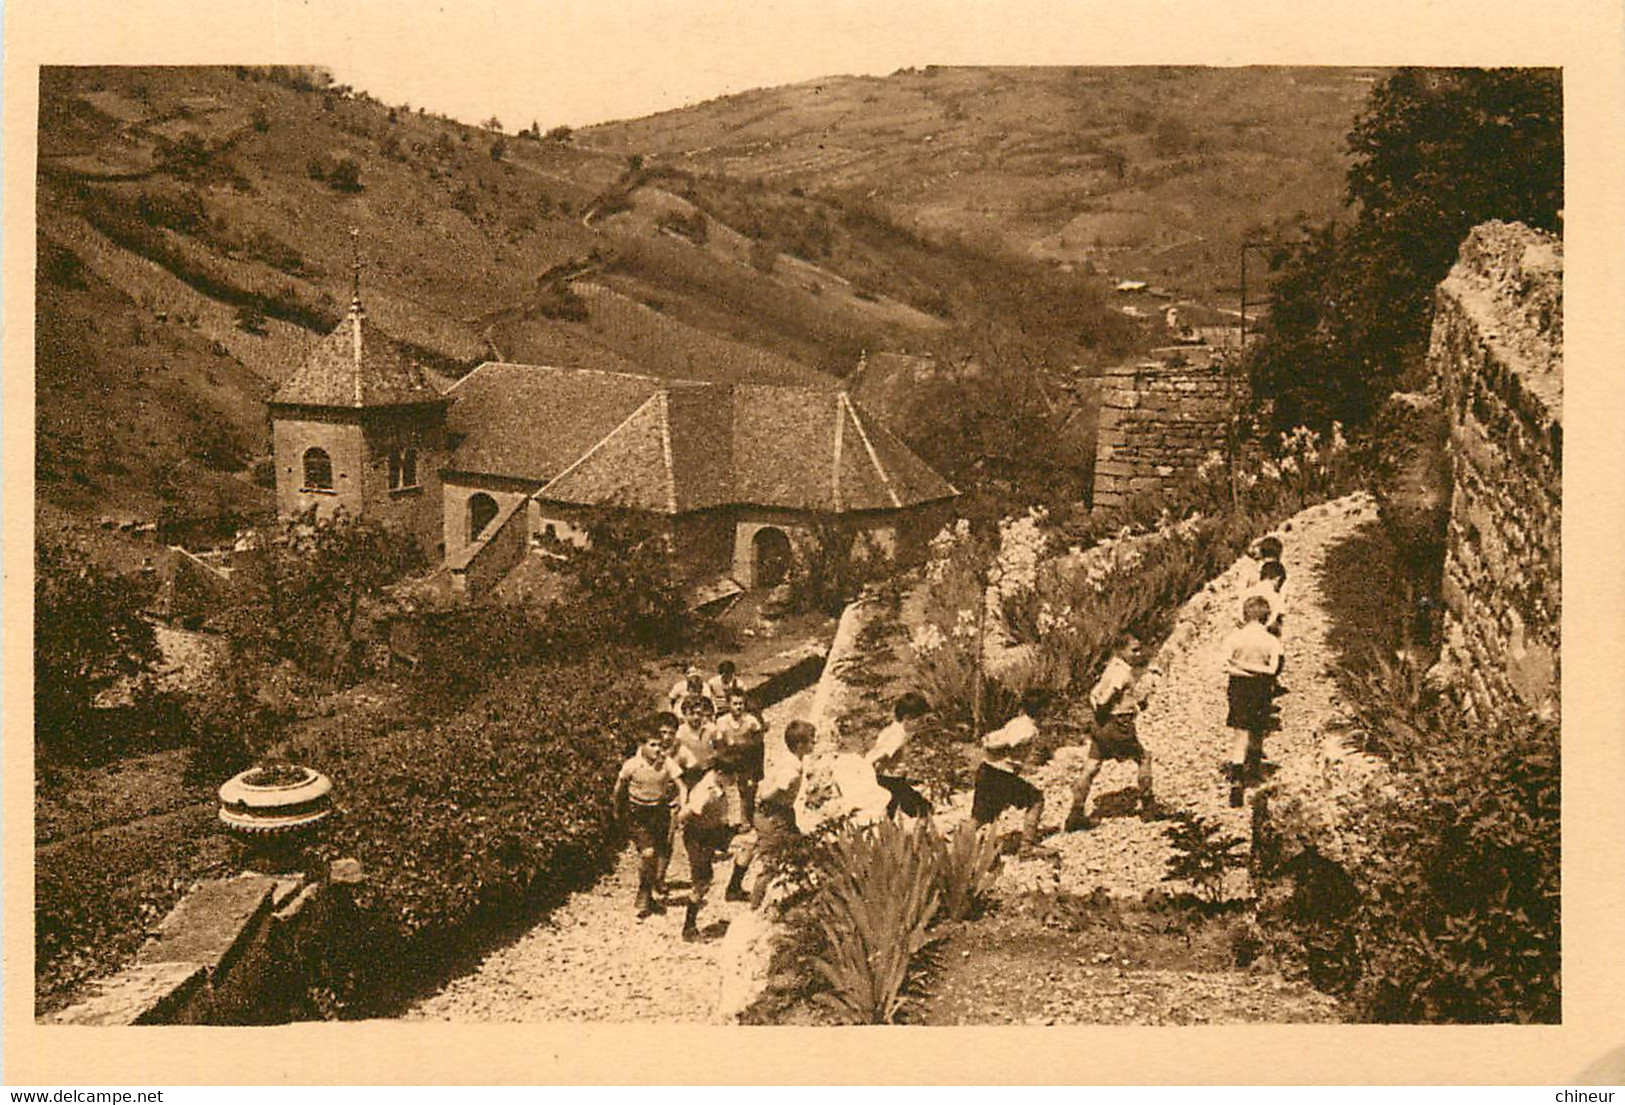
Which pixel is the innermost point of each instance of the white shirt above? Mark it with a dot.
(888, 747)
(1253, 650)
(1112, 688)
(1002, 745)
(1265, 589)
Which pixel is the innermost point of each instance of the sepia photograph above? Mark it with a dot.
(944, 545)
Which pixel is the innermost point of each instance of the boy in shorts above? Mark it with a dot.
(737, 737)
(690, 684)
(776, 802)
(1117, 698)
(1253, 661)
(696, 739)
(999, 785)
(908, 713)
(649, 786)
(707, 821)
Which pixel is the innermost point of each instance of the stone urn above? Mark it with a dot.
(276, 800)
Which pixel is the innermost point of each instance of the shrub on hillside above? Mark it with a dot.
(1450, 908)
(345, 175)
(463, 825)
(89, 635)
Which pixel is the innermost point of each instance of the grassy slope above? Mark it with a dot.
(151, 395)
(1028, 158)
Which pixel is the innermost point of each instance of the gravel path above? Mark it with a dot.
(1183, 725)
(593, 960)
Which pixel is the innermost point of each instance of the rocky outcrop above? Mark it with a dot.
(1497, 354)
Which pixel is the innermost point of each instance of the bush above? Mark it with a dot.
(345, 176)
(465, 825)
(88, 636)
(251, 320)
(628, 589)
(967, 867)
(1202, 853)
(1449, 909)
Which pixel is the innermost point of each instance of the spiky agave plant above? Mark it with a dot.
(875, 909)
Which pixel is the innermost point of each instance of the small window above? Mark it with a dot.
(403, 469)
(318, 470)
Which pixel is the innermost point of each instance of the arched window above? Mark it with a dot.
(403, 469)
(318, 470)
(481, 509)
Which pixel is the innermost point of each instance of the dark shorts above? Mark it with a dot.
(651, 826)
(746, 759)
(998, 790)
(904, 798)
(703, 847)
(1115, 738)
(1250, 702)
(774, 825)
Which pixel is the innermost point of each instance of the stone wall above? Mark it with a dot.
(1159, 419)
(238, 950)
(1497, 354)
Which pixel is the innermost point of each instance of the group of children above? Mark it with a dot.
(701, 774)
(702, 779)
(1254, 657)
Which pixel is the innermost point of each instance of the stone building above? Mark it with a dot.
(514, 458)
(1159, 418)
(359, 427)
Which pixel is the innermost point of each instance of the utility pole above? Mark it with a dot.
(1246, 244)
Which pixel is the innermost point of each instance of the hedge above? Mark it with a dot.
(468, 826)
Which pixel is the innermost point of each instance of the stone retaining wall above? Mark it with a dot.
(1497, 353)
(1158, 420)
(236, 950)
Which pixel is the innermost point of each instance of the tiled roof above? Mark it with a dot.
(357, 366)
(532, 422)
(678, 445)
(817, 450)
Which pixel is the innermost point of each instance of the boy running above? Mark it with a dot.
(776, 802)
(1271, 587)
(1254, 660)
(696, 748)
(649, 785)
(1117, 698)
(737, 737)
(908, 713)
(999, 785)
(692, 684)
(708, 824)
(723, 684)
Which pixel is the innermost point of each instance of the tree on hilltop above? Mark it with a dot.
(1435, 153)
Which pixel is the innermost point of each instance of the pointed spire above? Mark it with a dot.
(355, 270)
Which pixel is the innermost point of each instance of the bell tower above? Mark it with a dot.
(360, 427)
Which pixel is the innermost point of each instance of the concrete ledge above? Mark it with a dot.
(147, 993)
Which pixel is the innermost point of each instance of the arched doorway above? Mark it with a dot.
(771, 549)
(481, 509)
(318, 470)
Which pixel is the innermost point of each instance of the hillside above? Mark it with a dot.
(194, 242)
(1147, 172)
